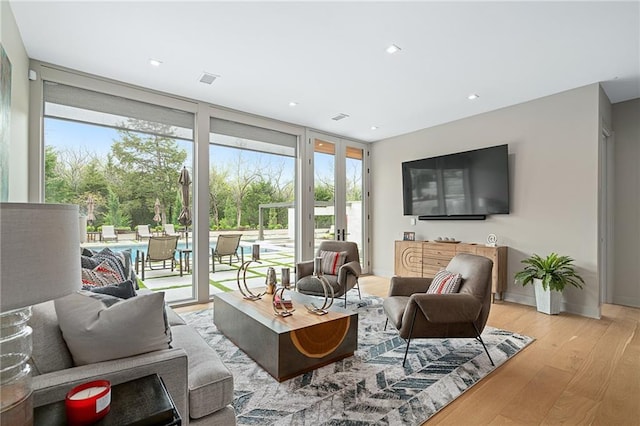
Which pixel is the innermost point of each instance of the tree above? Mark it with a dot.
(115, 214)
(242, 176)
(147, 164)
(219, 193)
(55, 190)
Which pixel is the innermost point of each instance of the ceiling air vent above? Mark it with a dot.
(208, 78)
(339, 117)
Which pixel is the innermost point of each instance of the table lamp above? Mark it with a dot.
(39, 261)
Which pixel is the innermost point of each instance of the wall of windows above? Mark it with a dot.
(118, 150)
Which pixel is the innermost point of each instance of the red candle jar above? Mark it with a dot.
(88, 402)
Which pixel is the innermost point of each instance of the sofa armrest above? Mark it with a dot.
(169, 364)
(406, 286)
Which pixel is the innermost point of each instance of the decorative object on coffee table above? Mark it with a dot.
(271, 281)
(328, 301)
(246, 293)
(550, 276)
(282, 306)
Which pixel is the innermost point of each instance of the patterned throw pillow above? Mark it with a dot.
(445, 282)
(332, 261)
(100, 276)
(119, 261)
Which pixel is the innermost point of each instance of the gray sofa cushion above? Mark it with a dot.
(50, 352)
(210, 381)
(94, 332)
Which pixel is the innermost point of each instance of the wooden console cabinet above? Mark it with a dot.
(425, 258)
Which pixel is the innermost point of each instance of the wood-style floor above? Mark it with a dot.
(578, 371)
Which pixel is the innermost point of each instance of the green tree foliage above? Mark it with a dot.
(147, 166)
(56, 189)
(115, 214)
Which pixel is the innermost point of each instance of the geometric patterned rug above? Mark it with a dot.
(369, 388)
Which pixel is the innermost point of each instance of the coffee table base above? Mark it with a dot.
(285, 347)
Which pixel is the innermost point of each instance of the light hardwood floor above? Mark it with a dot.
(577, 371)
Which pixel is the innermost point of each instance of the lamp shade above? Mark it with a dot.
(39, 253)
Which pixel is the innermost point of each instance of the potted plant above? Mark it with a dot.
(549, 276)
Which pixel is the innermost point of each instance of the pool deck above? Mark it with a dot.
(277, 251)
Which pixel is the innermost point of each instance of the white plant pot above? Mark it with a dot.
(547, 301)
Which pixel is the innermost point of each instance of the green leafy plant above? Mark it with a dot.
(555, 272)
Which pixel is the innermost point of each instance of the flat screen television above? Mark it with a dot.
(464, 185)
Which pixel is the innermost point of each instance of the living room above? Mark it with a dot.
(555, 161)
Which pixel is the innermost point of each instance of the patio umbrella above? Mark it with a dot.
(91, 205)
(185, 213)
(156, 210)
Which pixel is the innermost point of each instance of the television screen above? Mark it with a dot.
(471, 183)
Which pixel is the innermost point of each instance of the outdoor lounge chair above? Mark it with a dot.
(109, 233)
(227, 245)
(143, 232)
(170, 231)
(160, 249)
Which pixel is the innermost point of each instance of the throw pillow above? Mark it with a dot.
(100, 276)
(445, 282)
(95, 332)
(123, 290)
(119, 261)
(332, 261)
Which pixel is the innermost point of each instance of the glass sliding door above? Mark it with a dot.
(339, 186)
(119, 159)
(251, 195)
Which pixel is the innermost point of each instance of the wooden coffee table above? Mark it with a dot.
(286, 347)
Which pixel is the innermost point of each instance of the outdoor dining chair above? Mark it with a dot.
(160, 249)
(226, 245)
(109, 233)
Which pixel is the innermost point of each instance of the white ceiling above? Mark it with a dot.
(330, 57)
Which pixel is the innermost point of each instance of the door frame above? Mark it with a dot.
(307, 197)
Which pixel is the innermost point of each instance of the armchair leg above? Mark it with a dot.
(413, 321)
(385, 324)
(482, 341)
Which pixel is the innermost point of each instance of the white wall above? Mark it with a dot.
(18, 145)
(553, 161)
(626, 125)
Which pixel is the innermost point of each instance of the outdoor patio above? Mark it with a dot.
(276, 251)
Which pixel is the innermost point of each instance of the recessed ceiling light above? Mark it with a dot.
(393, 49)
(374, 127)
(155, 62)
(292, 104)
(472, 96)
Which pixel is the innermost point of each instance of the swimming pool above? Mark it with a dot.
(142, 245)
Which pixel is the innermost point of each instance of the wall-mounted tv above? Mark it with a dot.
(464, 185)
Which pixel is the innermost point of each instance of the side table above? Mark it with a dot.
(139, 402)
(185, 254)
